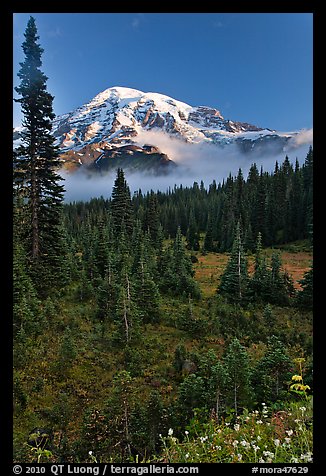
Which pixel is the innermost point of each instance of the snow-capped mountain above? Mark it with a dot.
(112, 130)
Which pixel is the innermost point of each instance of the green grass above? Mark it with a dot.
(87, 381)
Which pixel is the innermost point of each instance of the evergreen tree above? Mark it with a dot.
(182, 269)
(190, 395)
(25, 302)
(269, 317)
(218, 386)
(272, 373)
(118, 411)
(35, 165)
(146, 291)
(151, 219)
(259, 284)
(192, 233)
(280, 284)
(126, 312)
(234, 280)
(155, 415)
(209, 241)
(121, 206)
(305, 296)
(237, 366)
(308, 194)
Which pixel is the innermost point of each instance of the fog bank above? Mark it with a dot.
(196, 162)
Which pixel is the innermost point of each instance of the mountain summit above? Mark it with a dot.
(112, 130)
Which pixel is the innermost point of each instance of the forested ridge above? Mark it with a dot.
(164, 326)
(132, 316)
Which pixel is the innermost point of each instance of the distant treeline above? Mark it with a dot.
(279, 205)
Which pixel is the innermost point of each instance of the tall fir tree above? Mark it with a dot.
(259, 283)
(193, 236)
(36, 162)
(272, 373)
(305, 295)
(234, 280)
(237, 365)
(121, 206)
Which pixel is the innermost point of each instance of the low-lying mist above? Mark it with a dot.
(195, 162)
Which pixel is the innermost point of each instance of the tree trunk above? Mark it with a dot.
(125, 317)
(217, 405)
(235, 399)
(239, 273)
(34, 213)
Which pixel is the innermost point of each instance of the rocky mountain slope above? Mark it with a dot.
(112, 130)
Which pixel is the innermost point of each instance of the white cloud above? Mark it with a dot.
(55, 32)
(305, 136)
(137, 21)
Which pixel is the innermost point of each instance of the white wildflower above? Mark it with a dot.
(303, 409)
(261, 460)
(186, 433)
(259, 422)
(239, 455)
(237, 427)
(289, 432)
(90, 452)
(269, 454)
(287, 440)
(235, 443)
(277, 442)
(170, 433)
(307, 457)
(187, 455)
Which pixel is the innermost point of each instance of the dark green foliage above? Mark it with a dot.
(146, 290)
(268, 316)
(176, 270)
(67, 351)
(304, 297)
(271, 376)
(238, 371)
(193, 325)
(126, 315)
(25, 301)
(192, 233)
(190, 395)
(132, 349)
(234, 280)
(209, 244)
(180, 355)
(281, 287)
(121, 206)
(259, 283)
(36, 180)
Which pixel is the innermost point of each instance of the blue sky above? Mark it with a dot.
(253, 67)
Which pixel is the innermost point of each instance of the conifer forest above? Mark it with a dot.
(171, 327)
